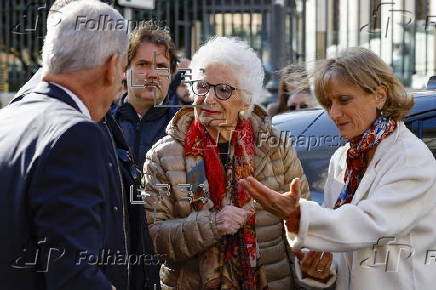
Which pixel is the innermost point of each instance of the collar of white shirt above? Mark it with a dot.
(76, 99)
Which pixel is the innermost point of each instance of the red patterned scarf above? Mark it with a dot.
(234, 263)
(357, 156)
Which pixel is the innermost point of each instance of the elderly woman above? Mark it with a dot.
(212, 234)
(379, 210)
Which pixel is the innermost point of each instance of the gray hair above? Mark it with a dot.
(83, 35)
(240, 58)
(58, 4)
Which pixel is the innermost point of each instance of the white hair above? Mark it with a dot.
(241, 59)
(83, 35)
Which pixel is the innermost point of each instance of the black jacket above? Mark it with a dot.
(60, 197)
(142, 134)
(145, 274)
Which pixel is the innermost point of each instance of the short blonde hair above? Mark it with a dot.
(363, 68)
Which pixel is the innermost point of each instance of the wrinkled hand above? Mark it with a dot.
(281, 205)
(315, 265)
(230, 219)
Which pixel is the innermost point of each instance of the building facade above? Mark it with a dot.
(402, 33)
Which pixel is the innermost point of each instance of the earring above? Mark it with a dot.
(380, 111)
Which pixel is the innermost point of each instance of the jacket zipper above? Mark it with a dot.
(124, 210)
(137, 140)
(146, 277)
(137, 148)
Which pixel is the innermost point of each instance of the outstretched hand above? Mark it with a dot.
(281, 205)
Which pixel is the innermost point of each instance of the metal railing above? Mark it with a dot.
(191, 23)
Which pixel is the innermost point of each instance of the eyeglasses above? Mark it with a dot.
(222, 91)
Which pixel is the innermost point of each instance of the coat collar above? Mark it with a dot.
(126, 111)
(371, 172)
(55, 92)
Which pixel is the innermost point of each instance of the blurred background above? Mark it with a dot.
(281, 31)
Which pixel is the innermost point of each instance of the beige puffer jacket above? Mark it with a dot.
(180, 233)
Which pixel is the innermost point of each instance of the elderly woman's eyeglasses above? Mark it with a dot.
(222, 91)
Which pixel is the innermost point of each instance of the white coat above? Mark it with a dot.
(386, 237)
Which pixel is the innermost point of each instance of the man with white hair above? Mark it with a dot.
(62, 217)
(142, 275)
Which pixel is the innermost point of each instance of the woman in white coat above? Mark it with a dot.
(379, 212)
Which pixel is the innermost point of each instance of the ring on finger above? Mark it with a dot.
(322, 255)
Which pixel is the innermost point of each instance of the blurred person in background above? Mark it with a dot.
(179, 87)
(300, 100)
(294, 92)
(379, 198)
